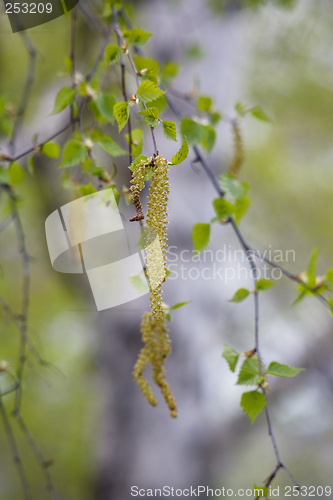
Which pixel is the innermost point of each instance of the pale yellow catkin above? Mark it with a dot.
(239, 155)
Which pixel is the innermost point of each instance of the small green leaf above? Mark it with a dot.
(232, 187)
(87, 189)
(169, 130)
(4, 175)
(63, 99)
(16, 173)
(180, 304)
(329, 275)
(74, 153)
(260, 491)
(31, 165)
(241, 207)
(209, 138)
(312, 265)
(259, 113)
(137, 283)
(253, 403)
(169, 71)
(161, 104)
(137, 141)
(150, 116)
(181, 155)
(230, 356)
(136, 162)
(200, 236)
(111, 147)
(137, 36)
(279, 370)
(249, 372)
(51, 149)
(240, 295)
(146, 65)
(121, 112)
(204, 104)
(223, 208)
(264, 284)
(105, 104)
(194, 131)
(300, 297)
(148, 92)
(113, 54)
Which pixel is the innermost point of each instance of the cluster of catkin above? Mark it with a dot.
(153, 326)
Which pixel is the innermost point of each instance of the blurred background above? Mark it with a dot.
(84, 410)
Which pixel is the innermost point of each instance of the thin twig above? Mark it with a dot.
(15, 452)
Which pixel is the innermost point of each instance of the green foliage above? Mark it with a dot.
(121, 112)
(16, 173)
(87, 189)
(137, 283)
(180, 304)
(204, 104)
(193, 130)
(137, 36)
(240, 295)
(253, 403)
(181, 155)
(209, 138)
(148, 92)
(51, 149)
(150, 116)
(137, 141)
(169, 130)
(230, 356)
(105, 104)
(74, 153)
(111, 147)
(255, 111)
(200, 236)
(113, 54)
(249, 372)
(264, 284)
(279, 370)
(136, 162)
(63, 99)
(223, 209)
(169, 71)
(236, 192)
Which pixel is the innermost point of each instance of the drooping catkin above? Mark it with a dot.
(239, 155)
(153, 326)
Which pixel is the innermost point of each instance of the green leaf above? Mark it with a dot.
(200, 236)
(232, 187)
(137, 141)
(121, 112)
(111, 147)
(181, 155)
(146, 65)
(240, 295)
(63, 99)
(329, 275)
(16, 173)
(169, 71)
(279, 370)
(241, 207)
(113, 54)
(148, 91)
(223, 208)
(312, 265)
(168, 316)
(194, 131)
(74, 153)
(31, 165)
(253, 403)
(264, 284)
(249, 372)
(136, 162)
(204, 104)
(137, 283)
(161, 104)
(215, 117)
(137, 36)
(180, 304)
(230, 356)
(169, 130)
(300, 297)
(259, 113)
(51, 149)
(105, 104)
(209, 138)
(260, 491)
(87, 189)
(150, 116)
(4, 175)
